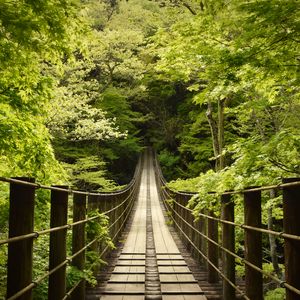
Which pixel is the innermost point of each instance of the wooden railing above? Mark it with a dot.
(202, 237)
(116, 206)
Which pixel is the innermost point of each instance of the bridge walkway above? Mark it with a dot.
(150, 265)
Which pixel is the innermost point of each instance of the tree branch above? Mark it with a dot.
(282, 166)
(213, 128)
(192, 11)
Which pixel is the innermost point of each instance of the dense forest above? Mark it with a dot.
(212, 85)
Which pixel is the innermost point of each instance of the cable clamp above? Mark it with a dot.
(35, 284)
(282, 283)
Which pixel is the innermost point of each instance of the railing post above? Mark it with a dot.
(174, 213)
(203, 226)
(291, 225)
(253, 245)
(130, 205)
(193, 235)
(182, 214)
(58, 247)
(78, 242)
(109, 206)
(102, 205)
(21, 220)
(198, 239)
(189, 219)
(228, 242)
(186, 228)
(119, 211)
(212, 250)
(115, 215)
(123, 207)
(177, 209)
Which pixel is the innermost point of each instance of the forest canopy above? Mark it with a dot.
(213, 85)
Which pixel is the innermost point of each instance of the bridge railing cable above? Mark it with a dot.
(86, 207)
(201, 234)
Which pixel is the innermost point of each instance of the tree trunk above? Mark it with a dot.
(221, 108)
(214, 132)
(272, 240)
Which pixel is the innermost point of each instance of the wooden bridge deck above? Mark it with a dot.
(150, 265)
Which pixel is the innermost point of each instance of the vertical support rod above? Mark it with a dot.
(291, 225)
(178, 210)
(103, 205)
(58, 247)
(228, 242)
(212, 250)
(175, 209)
(198, 240)
(21, 221)
(189, 219)
(92, 207)
(130, 205)
(193, 235)
(78, 242)
(192, 232)
(253, 245)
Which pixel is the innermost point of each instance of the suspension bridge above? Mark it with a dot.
(162, 250)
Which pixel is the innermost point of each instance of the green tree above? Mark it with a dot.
(34, 35)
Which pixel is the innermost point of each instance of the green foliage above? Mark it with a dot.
(116, 104)
(74, 276)
(98, 228)
(33, 34)
(277, 294)
(121, 154)
(268, 268)
(3, 264)
(88, 173)
(238, 59)
(195, 142)
(4, 207)
(169, 162)
(41, 265)
(226, 53)
(240, 270)
(25, 147)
